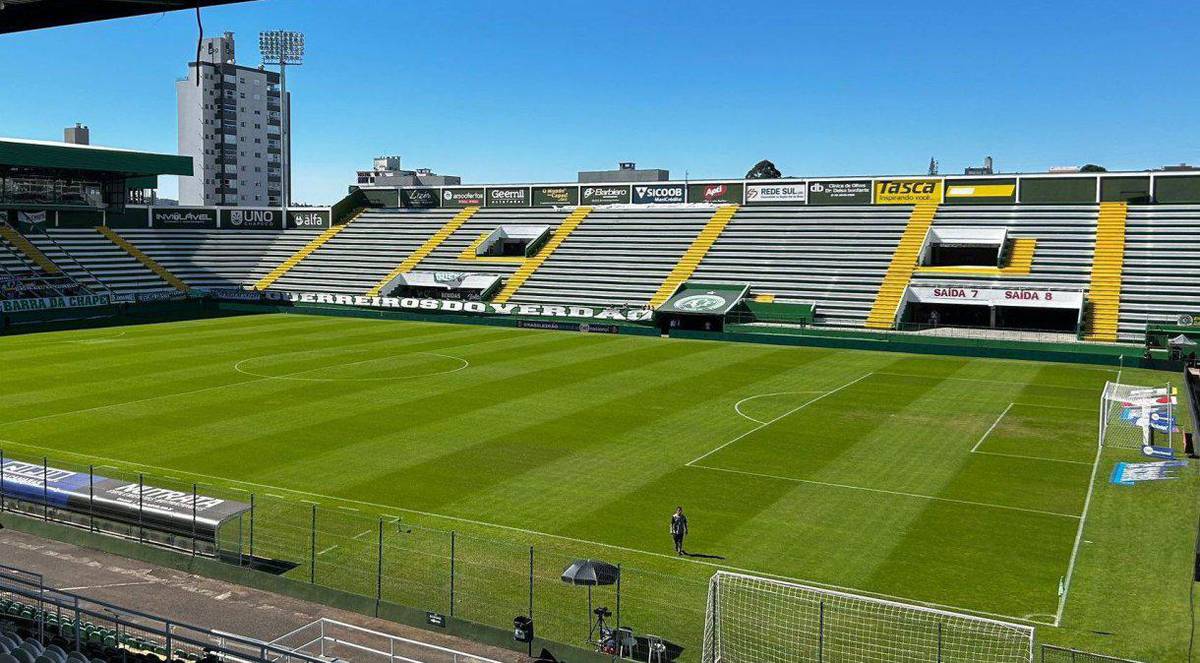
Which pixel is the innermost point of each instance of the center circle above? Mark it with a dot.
(350, 366)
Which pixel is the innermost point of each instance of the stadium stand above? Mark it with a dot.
(836, 256)
(21, 277)
(219, 258)
(1162, 267)
(93, 259)
(616, 257)
(456, 252)
(362, 255)
(564, 229)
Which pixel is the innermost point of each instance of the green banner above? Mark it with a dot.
(1177, 189)
(183, 217)
(245, 218)
(1058, 189)
(308, 218)
(602, 194)
(716, 192)
(420, 198)
(1125, 190)
(553, 196)
(839, 192)
(132, 217)
(694, 298)
(508, 196)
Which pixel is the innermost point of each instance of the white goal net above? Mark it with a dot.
(1133, 417)
(760, 620)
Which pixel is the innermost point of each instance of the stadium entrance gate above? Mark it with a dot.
(972, 305)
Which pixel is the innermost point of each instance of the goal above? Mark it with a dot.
(1134, 417)
(760, 620)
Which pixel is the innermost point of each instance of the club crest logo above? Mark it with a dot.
(701, 303)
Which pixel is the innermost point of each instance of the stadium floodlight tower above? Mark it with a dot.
(283, 48)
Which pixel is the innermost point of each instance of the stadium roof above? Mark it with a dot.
(68, 156)
(20, 15)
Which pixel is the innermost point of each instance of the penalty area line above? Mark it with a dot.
(768, 422)
(559, 537)
(991, 428)
(1087, 502)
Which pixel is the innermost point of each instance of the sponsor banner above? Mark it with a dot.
(586, 327)
(49, 303)
(1128, 474)
(32, 218)
(1023, 297)
(508, 196)
(981, 191)
(236, 294)
(839, 192)
(243, 218)
(419, 305)
(604, 195)
(776, 194)
(472, 197)
(1188, 320)
(183, 217)
(158, 296)
(554, 196)
(420, 198)
(907, 192)
(648, 194)
(308, 218)
(715, 193)
(157, 508)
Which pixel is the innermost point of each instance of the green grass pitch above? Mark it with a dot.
(951, 481)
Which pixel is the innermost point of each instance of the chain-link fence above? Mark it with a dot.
(464, 575)
(1053, 654)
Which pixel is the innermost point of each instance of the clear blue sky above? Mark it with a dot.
(533, 91)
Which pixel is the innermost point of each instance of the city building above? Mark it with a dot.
(386, 171)
(231, 124)
(627, 171)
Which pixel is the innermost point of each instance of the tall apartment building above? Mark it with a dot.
(231, 125)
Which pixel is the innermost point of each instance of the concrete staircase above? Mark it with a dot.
(900, 271)
(425, 249)
(529, 266)
(286, 266)
(18, 241)
(695, 253)
(1107, 266)
(141, 257)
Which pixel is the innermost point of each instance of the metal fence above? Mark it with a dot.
(486, 580)
(1053, 654)
(339, 641)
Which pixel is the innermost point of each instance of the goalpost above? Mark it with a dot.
(1133, 417)
(752, 619)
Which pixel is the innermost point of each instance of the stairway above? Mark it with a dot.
(900, 271)
(425, 249)
(18, 241)
(695, 253)
(284, 267)
(528, 267)
(1107, 266)
(141, 257)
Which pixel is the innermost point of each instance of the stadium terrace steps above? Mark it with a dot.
(1020, 261)
(224, 258)
(527, 269)
(286, 266)
(456, 253)
(831, 256)
(1107, 264)
(695, 253)
(1161, 267)
(18, 241)
(900, 272)
(619, 257)
(96, 262)
(141, 257)
(425, 249)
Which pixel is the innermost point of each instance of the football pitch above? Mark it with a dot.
(968, 484)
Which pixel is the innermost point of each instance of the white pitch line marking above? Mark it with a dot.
(847, 486)
(1057, 407)
(1087, 502)
(237, 366)
(991, 428)
(347, 508)
(327, 550)
(558, 537)
(362, 534)
(1042, 458)
(1018, 384)
(106, 586)
(785, 414)
(737, 407)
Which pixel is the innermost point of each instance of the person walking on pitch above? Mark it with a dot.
(679, 529)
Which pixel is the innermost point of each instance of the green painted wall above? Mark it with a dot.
(1058, 190)
(1125, 189)
(1177, 190)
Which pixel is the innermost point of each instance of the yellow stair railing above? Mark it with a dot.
(316, 243)
(1108, 262)
(425, 249)
(695, 253)
(527, 268)
(141, 257)
(900, 271)
(25, 246)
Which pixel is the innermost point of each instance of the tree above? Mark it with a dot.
(763, 170)
(1092, 168)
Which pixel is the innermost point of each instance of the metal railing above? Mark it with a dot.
(329, 638)
(1053, 654)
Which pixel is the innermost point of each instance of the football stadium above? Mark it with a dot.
(918, 417)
